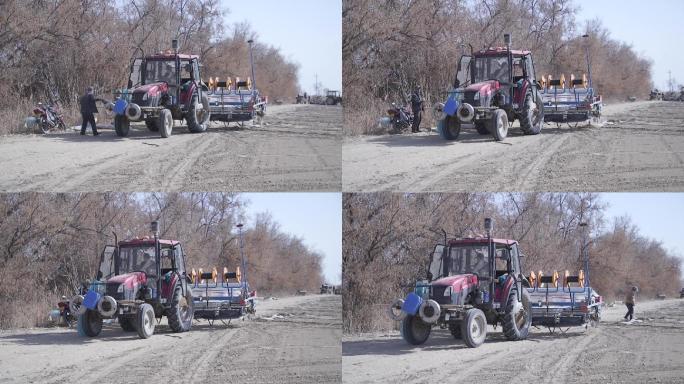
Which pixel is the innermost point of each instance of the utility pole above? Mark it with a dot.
(242, 256)
(251, 62)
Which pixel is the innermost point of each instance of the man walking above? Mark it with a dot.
(629, 302)
(88, 110)
(417, 108)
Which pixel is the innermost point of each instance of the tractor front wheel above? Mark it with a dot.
(449, 128)
(498, 124)
(90, 323)
(121, 125)
(145, 321)
(518, 317)
(165, 123)
(474, 328)
(414, 330)
(181, 312)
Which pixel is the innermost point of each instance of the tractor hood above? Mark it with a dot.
(457, 283)
(152, 89)
(129, 280)
(484, 86)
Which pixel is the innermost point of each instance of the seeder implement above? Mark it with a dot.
(570, 103)
(225, 300)
(563, 302)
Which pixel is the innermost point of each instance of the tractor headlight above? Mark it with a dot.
(477, 96)
(145, 96)
(120, 289)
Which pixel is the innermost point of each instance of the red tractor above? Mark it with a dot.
(470, 283)
(493, 87)
(162, 88)
(138, 282)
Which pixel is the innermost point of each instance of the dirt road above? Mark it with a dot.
(294, 339)
(646, 351)
(640, 148)
(297, 148)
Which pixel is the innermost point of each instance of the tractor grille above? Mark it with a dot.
(438, 295)
(469, 97)
(111, 291)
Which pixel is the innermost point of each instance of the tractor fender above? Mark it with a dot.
(505, 289)
(187, 90)
(168, 285)
(520, 92)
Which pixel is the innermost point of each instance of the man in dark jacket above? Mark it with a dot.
(88, 110)
(417, 108)
(630, 300)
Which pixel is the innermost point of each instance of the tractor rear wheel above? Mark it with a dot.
(165, 123)
(90, 323)
(127, 323)
(532, 114)
(518, 317)
(449, 128)
(414, 330)
(152, 125)
(474, 328)
(481, 127)
(198, 119)
(498, 124)
(121, 125)
(145, 321)
(181, 312)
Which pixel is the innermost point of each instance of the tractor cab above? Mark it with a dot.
(163, 87)
(470, 283)
(492, 88)
(138, 280)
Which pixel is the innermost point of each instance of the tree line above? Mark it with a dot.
(50, 243)
(50, 50)
(387, 240)
(391, 46)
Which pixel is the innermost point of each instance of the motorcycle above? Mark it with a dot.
(49, 117)
(400, 118)
(65, 312)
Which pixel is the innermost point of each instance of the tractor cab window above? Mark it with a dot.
(166, 259)
(435, 269)
(186, 72)
(468, 259)
(491, 68)
(134, 79)
(518, 69)
(140, 259)
(107, 269)
(462, 72)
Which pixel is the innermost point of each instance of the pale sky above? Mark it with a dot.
(652, 27)
(659, 216)
(308, 32)
(314, 217)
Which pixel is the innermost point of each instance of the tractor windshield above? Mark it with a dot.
(491, 68)
(165, 70)
(140, 258)
(460, 259)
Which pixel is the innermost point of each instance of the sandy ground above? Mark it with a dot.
(639, 148)
(295, 339)
(646, 351)
(297, 148)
